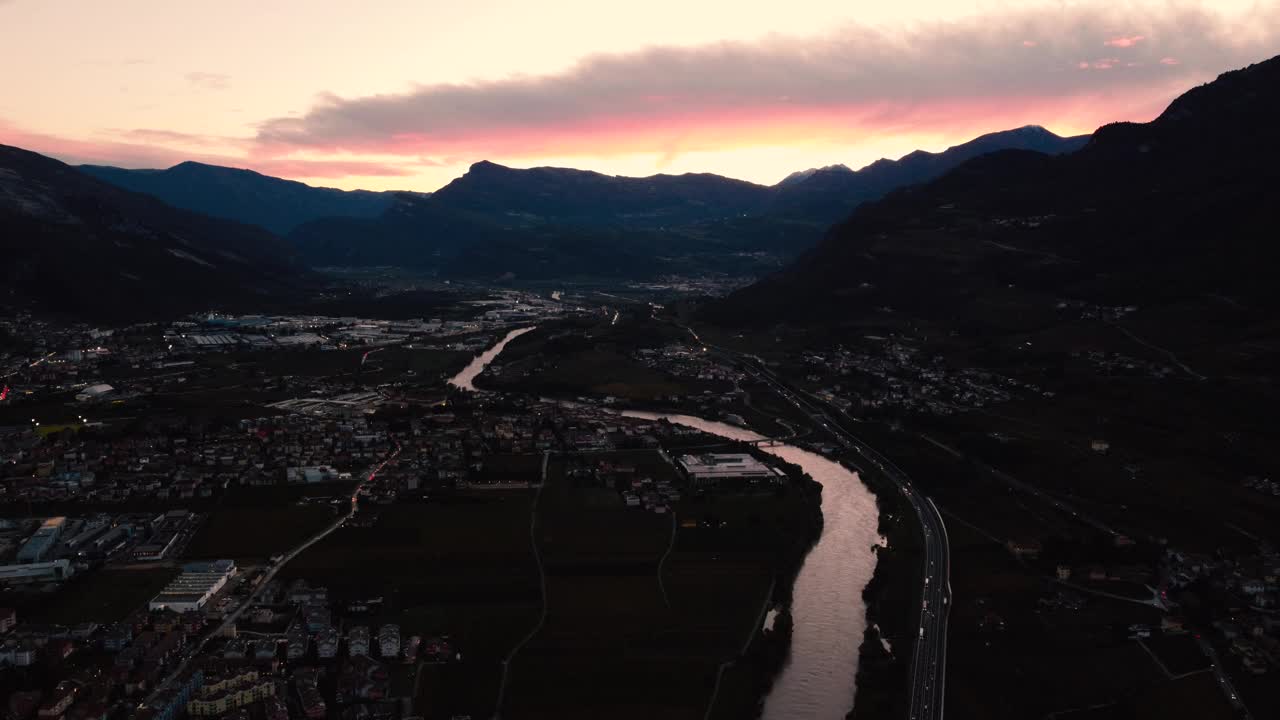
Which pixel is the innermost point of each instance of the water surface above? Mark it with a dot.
(466, 378)
(829, 615)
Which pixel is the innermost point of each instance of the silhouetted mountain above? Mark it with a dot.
(541, 222)
(244, 195)
(496, 222)
(829, 194)
(1170, 211)
(543, 195)
(72, 243)
(801, 175)
(428, 234)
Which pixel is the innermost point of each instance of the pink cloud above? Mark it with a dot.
(664, 94)
(952, 78)
(1125, 41)
(151, 152)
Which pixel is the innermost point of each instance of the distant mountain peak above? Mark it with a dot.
(486, 166)
(799, 175)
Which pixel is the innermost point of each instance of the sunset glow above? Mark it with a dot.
(407, 95)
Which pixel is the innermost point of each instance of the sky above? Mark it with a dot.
(406, 94)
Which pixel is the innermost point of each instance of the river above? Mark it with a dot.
(466, 378)
(828, 614)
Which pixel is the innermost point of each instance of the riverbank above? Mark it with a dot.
(827, 614)
(891, 597)
(806, 666)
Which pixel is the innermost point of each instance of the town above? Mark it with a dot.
(304, 549)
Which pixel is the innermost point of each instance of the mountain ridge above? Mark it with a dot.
(75, 244)
(276, 204)
(1144, 213)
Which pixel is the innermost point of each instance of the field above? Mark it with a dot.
(641, 611)
(391, 364)
(257, 532)
(627, 633)
(101, 596)
(463, 568)
(589, 357)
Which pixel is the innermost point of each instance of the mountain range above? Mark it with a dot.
(74, 244)
(827, 195)
(1178, 210)
(198, 234)
(244, 195)
(552, 223)
(496, 222)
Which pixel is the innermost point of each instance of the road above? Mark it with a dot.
(232, 617)
(1224, 682)
(929, 658)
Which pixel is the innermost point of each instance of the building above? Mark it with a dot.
(232, 698)
(313, 474)
(38, 546)
(327, 644)
(389, 640)
(117, 637)
(358, 641)
(193, 588)
(264, 650)
(94, 392)
(19, 654)
(715, 468)
(40, 572)
(156, 549)
(169, 704)
(298, 640)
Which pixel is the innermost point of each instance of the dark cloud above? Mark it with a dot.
(1005, 57)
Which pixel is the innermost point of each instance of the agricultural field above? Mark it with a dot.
(102, 596)
(261, 522)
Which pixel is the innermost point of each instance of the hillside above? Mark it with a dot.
(74, 244)
(827, 195)
(539, 223)
(1164, 212)
(269, 202)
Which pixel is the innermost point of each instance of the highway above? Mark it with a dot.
(231, 618)
(929, 656)
(1224, 682)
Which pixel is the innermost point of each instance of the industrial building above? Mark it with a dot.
(92, 529)
(715, 468)
(39, 546)
(40, 572)
(94, 392)
(193, 588)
